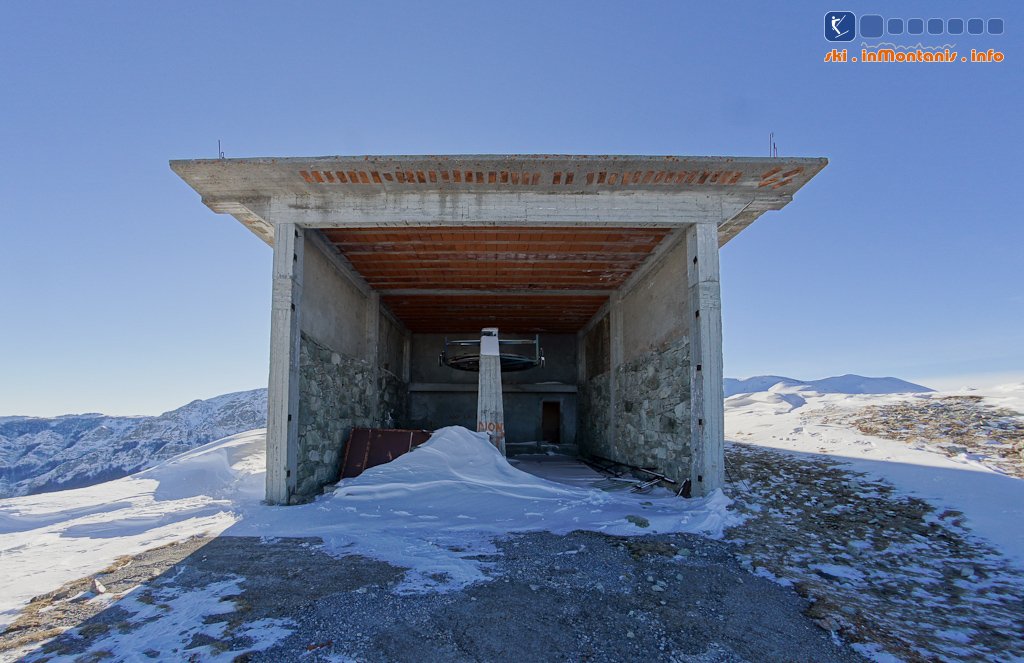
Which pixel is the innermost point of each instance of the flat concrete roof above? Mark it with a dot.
(752, 185)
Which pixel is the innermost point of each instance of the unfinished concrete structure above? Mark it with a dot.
(612, 259)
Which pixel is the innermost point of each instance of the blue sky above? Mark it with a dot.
(122, 293)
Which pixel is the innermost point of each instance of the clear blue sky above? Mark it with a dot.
(122, 293)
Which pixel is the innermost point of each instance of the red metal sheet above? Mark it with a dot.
(369, 447)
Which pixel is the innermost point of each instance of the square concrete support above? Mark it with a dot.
(707, 406)
(373, 346)
(490, 409)
(615, 360)
(283, 392)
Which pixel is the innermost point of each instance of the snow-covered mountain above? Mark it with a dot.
(840, 384)
(40, 455)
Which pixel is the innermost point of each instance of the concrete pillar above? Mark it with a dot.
(615, 354)
(407, 357)
(283, 388)
(707, 402)
(490, 413)
(373, 352)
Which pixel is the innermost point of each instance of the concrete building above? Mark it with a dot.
(613, 260)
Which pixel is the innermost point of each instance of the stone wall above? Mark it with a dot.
(652, 413)
(335, 396)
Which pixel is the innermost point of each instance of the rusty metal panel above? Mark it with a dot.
(356, 450)
(369, 447)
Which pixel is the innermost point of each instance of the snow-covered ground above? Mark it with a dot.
(799, 419)
(431, 510)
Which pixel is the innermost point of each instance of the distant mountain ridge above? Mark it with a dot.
(43, 454)
(839, 384)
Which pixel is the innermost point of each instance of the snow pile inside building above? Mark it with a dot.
(433, 511)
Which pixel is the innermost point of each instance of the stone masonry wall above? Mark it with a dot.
(652, 413)
(335, 396)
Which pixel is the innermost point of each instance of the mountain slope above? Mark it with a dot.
(45, 454)
(840, 384)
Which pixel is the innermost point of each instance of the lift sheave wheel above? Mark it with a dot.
(470, 360)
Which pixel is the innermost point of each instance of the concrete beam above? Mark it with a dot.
(283, 391)
(469, 292)
(596, 318)
(433, 208)
(707, 403)
(243, 212)
(525, 388)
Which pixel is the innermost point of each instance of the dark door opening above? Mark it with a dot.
(551, 422)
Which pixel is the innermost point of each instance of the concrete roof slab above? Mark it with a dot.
(337, 191)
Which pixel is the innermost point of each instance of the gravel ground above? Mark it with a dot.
(579, 597)
(882, 569)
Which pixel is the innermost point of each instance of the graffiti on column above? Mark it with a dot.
(495, 430)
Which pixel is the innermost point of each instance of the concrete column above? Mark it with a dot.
(373, 352)
(581, 359)
(490, 413)
(283, 389)
(615, 353)
(407, 357)
(707, 403)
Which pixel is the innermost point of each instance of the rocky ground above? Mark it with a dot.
(954, 425)
(580, 597)
(881, 569)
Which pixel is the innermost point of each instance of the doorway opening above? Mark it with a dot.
(551, 422)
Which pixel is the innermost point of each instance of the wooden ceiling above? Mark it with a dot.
(525, 279)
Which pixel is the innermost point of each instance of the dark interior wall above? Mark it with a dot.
(440, 396)
(436, 409)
